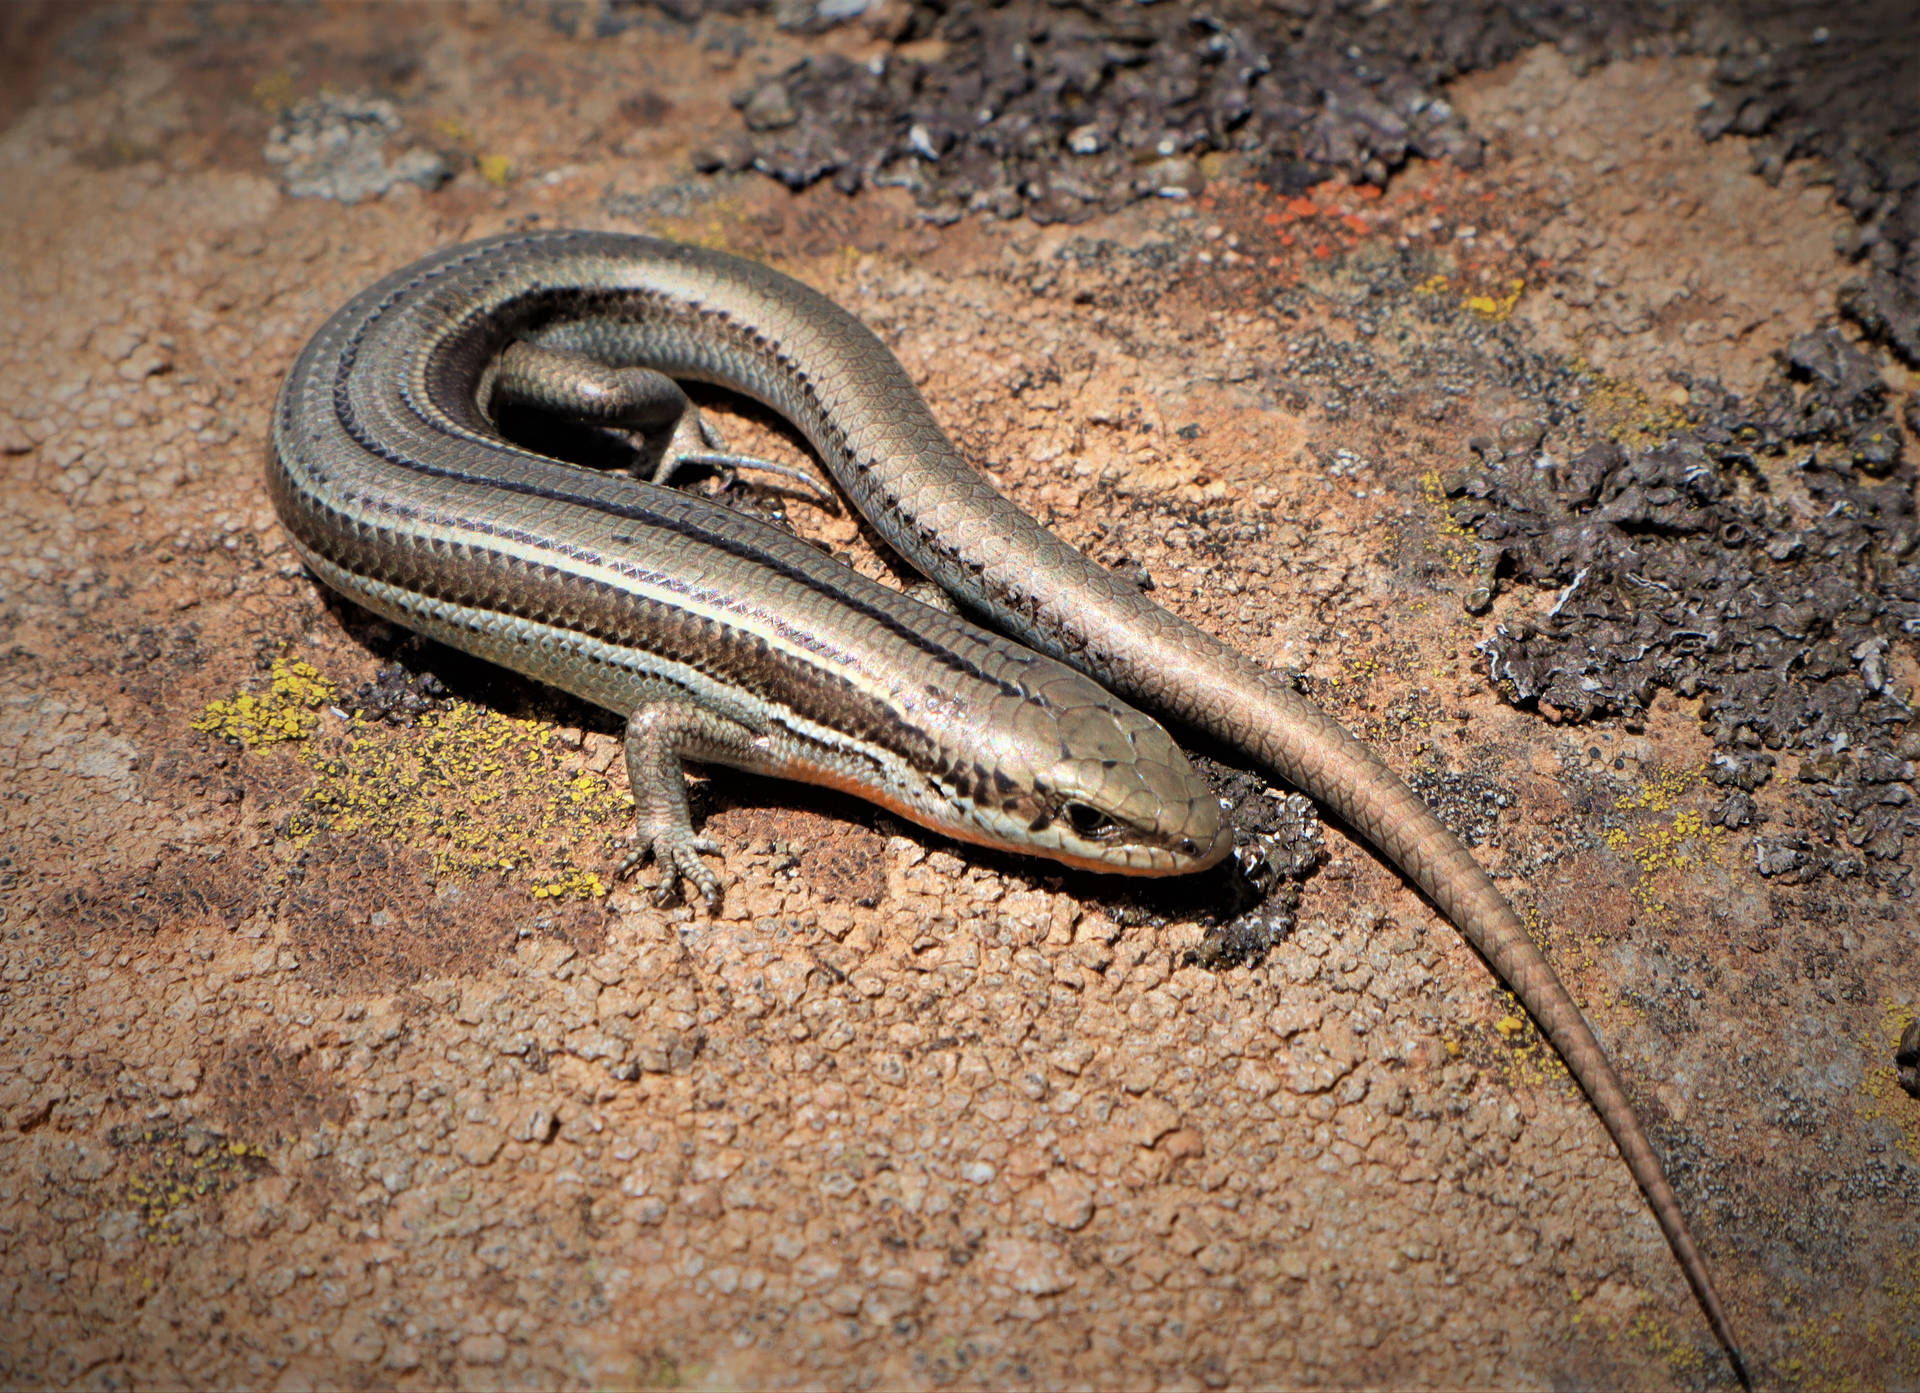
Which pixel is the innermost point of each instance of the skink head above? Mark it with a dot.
(1088, 781)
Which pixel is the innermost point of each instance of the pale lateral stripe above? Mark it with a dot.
(507, 640)
(730, 611)
(722, 608)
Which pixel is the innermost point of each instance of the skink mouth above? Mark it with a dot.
(1178, 856)
(1140, 861)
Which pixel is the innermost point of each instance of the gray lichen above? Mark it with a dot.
(335, 147)
(1764, 562)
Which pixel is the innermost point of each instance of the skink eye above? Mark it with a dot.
(1090, 823)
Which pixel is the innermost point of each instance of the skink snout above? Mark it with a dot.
(1128, 800)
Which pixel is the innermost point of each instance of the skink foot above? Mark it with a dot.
(697, 443)
(659, 735)
(565, 382)
(677, 852)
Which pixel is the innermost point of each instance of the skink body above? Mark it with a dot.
(392, 479)
(720, 638)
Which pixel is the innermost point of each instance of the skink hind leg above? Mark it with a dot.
(660, 735)
(698, 443)
(583, 388)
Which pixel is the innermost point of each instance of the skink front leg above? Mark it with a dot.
(659, 736)
(581, 388)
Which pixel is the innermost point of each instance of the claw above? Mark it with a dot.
(660, 734)
(689, 868)
(724, 462)
(677, 854)
(698, 442)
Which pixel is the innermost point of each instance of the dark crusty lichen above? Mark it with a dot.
(1060, 110)
(1765, 562)
(1837, 83)
(1469, 802)
(1277, 846)
(334, 146)
(399, 694)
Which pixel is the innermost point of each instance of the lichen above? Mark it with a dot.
(1681, 843)
(478, 791)
(1760, 561)
(1884, 1100)
(573, 885)
(1659, 1338)
(1623, 411)
(176, 1166)
(288, 710)
(1498, 308)
(1451, 543)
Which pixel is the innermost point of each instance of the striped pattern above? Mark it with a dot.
(400, 495)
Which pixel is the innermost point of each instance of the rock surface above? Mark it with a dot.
(330, 1057)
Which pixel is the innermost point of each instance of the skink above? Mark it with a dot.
(728, 641)
(720, 638)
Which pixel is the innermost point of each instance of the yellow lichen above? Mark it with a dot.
(1498, 307)
(1684, 843)
(1661, 791)
(1453, 544)
(1902, 1288)
(1824, 1358)
(495, 169)
(717, 227)
(289, 710)
(1363, 667)
(1885, 1100)
(476, 790)
(1624, 411)
(1511, 1046)
(171, 1175)
(574, 885)
(1681, 1356)
(274, 91)
(1522, 1056)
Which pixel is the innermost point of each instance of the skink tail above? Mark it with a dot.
(1315, 753)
